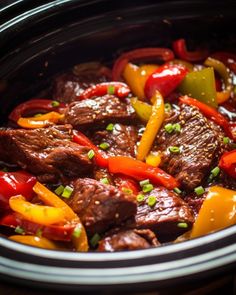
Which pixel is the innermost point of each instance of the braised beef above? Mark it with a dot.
(122, 140)
(48, 153)
(165, 215)
(200, 142)
(98, 112)
(100, 206)
(128, 240)
(67, 87)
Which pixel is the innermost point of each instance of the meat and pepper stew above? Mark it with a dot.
(124, 158)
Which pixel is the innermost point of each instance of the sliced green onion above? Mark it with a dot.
(77, 231)
(55, 103)
(199, 190)
(169, 128)
(39, 233)
(67, 192)
(140, 198)
(4, 169)
(91, 154)
(226, 140)
(19, 230)
(147, 188)
(151, 201)
(177, 127)
(143, 182)
(127, 190)
(215, 172)
(174, 149)
(94, 240)
(111, 89)
(168, 107)
(182, 225)
(110, 127)
(177, 190)
(104, 180)
(59, 190)
(104, 145)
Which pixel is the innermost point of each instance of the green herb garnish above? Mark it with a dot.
(91, 154)
(199, 190)
(67, 192)
(104, 145)
(59, 190)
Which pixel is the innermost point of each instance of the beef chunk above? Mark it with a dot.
(200, 142)
(100, 206)
(122, 140)
(128, 240)
(195, 202)
(94, 113)
(46, 152)
(164, 216)
(67, 87)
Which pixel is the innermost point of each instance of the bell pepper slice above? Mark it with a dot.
(34, 106)
(40, 121)
(153, 159)
(40, 214)
(35, 241)
(228, 163)
(15, 183)
(217, 211)
(153, 125)
(229, 59)
(136, 77)
(126, 184)
(51, 199)
(100, 157)
(165, 79)
(180, 49)
(200, 85)
(218, 66)
(139, 170)
(163, 54)
(142, 109)
(118, 89)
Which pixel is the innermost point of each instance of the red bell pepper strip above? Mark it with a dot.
(229, 59)
(164, 54)
(228, 163)
(100, 158)
(179, 47)
(52, 232)
(125, 183)
(15, 183)
(165, 79)
(140, 171)
(119, 89)
(34, 106)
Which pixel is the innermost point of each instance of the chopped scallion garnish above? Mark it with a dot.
(77, 231)
(147, 188)
(226, 140)
(104, 145)
(55, 103)
(94, 240)
(110, 127)
(174, 149)
(177, 190)
(67, 192)
(182, 225)
(91, 154)
(59, 190)
(104, 180)
(215, 172)
(177, 127)
(111, 89)
(169, 127)
(19, 230)
(127, 190)
(151, 201)
(199, 190)
(168, 107)
(39, 233)
(140, 198)
(143, 182)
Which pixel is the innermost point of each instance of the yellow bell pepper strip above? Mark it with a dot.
(153, 159)
(35, 241)
(44, 215)
(221, 69)
(142, 109)
(40, 121)
(201, 86)
(217, 212)
(49, 198)
(136, 77)
(152, 127)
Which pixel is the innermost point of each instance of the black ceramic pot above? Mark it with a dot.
(41, 39)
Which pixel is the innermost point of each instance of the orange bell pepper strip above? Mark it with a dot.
(139, 170)
(217, 211)
(48, 197)
(44, 215)
(154, 124)
(142, 109)
(35, 241)
(40, 121)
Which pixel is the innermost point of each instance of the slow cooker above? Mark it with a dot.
(42, 38)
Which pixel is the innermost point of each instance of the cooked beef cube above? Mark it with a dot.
(226, 181)
(48, 153)
(122, 140)
(195, 202)
(200, 143)
(128, 240)
(100, 206)
(163, 217)
(98, 112)
(67, 87)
